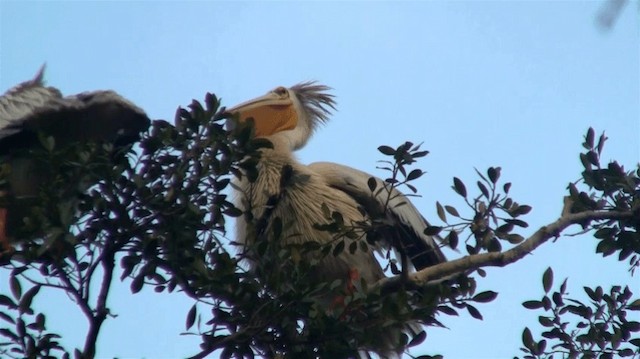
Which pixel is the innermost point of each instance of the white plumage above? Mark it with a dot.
(288, 118)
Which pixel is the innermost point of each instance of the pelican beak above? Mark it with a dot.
(272, 113)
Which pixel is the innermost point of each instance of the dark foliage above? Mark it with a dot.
(158, 217)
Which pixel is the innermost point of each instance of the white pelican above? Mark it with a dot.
(30, 109)
(287, 117)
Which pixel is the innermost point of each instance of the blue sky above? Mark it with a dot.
(484, 83)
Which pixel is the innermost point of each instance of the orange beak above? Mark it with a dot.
(271, 114)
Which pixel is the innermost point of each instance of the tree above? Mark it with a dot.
(162, 217)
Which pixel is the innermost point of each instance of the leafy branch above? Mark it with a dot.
(599, 330)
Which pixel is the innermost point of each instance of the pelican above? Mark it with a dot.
(31, 109)
(288, 117)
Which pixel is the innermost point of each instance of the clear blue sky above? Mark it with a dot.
(510, 84)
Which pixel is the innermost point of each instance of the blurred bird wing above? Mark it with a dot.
(31, 107)
(19, 103)
(406, 224)
(91, 116)
(96, 115)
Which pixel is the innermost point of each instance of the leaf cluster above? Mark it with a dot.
(494, 219)
(160, 212)
(25, 331)
(599, 328)
(608, 188)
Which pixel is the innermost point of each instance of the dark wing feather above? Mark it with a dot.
(32, 107)
(405, 223)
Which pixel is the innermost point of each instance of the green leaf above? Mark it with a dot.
(514, 238)
(485, 297)
(596, 296)
(625, 353)
(494, 174)
(414, 175)
(337, 218)
(527, 339)
(517, 222)
(137, 283)
(483, 189)
(545, 321)
(191, 317)
(440, 211)
(452, 239)
(547, 280)
(338, 249)
(557, 299)
(419, 154)
(452, 211)
(232, 212)
(16, 288)
(632, 326)
(635, 305)
(7, 318)
(447, 310)
(601, 141)
(372, 184)
(418, 339)
(40, 321)
(524, 209)
(592, 157)
(585, 162)
(542, 345)
(474, 312)
(432, 230)
(211, 101)
(25, 302)
(386, 150)
(606, 247)
(494, 245)
(532, 304)
(353, 247)
(9, 334)
(589, 138)
(504, 229)
(82, 266)
(459, 187)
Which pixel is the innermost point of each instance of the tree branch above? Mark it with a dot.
(435, 274)
(101, 311)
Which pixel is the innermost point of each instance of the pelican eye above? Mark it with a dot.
(280, 91)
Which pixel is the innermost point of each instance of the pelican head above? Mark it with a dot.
(288, 113)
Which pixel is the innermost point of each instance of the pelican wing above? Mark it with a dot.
(20, 102)
(407, 225)
(32, 107)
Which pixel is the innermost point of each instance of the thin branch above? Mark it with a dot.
(107, 259)
(69, 288)
(46, 284)
(101, 310)
(435, 274)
